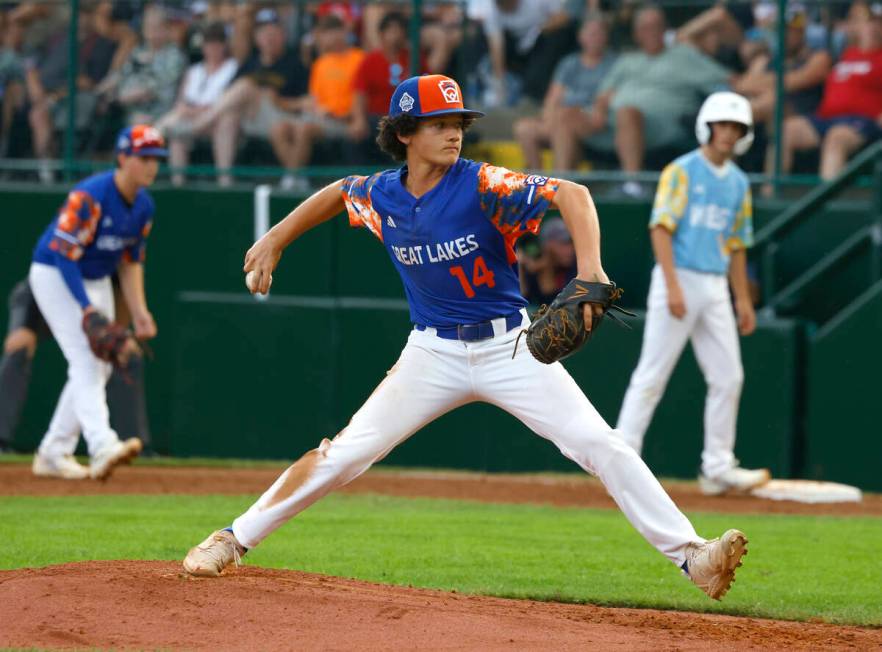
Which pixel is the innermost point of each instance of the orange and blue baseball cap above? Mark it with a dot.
(429, 95)
(141, 140)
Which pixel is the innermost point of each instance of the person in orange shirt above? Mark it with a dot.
(332, 95)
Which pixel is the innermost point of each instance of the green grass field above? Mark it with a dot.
(799, 567)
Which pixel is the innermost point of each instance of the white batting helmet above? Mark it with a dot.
(725, 107)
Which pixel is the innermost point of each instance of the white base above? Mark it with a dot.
(808, 491)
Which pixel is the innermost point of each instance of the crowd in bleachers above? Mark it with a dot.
(300, 83)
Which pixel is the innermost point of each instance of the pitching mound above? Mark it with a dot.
(151, 605)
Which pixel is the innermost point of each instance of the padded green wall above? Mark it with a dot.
(296, 369)
(844, 440)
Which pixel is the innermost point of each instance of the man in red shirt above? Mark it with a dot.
(850, 115)
(380, 73)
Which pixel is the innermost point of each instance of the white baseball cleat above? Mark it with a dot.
(65, 467)
(711, 565)
(214, 554)
(107, 459)
(735, 479)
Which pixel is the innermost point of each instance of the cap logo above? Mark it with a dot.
(146, 137)
(450, 91)
(406, 102)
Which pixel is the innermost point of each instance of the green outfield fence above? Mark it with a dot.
(237, 377)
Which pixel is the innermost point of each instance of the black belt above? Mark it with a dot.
(474, 332)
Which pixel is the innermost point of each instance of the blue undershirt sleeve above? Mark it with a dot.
(73, 278)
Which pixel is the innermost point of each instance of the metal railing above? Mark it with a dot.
(768, 239)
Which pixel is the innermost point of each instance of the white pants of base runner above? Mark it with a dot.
(435, 375)
(82, 406)
(710, 325)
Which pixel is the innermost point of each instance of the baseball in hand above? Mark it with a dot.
(251, 281)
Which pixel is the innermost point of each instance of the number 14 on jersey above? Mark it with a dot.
(481, 275)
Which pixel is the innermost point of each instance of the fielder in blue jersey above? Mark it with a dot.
(701, 228)
(102, 228)
(449, 226)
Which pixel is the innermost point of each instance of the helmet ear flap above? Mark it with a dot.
(702, 132)
(744, 142)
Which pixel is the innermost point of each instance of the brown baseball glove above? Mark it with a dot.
(559, 331)
(110, 341)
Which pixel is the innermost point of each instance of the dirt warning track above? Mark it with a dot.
(577, 490)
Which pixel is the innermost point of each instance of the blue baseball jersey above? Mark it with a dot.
(97, 228)
(707, 209)
(454, 246)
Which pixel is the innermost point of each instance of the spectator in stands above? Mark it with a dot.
(146, 84)
(528, 38)
(270, 87)
(564, 121)
(329, 115)
(719, 32)
(202, 14)
(649, 98)
(806, 69)
(203, 85)
(47, 86)
(12, 74)
(112, 21)
(850, 115)
(348, 11)
(380, 73)
(440, 34)
(545, 269)
(42, 22)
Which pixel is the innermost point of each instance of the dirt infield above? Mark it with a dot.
(151, 605)
(576, 491)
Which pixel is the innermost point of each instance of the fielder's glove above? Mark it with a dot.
(558, 330)
(110, 341)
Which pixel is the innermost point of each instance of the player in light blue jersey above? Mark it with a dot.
(449, 226)
(701, 227)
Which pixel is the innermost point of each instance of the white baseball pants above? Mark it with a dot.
(435, 375)
(710, 325)
(82, 406)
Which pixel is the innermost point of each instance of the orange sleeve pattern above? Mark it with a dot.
(77, 223)
(514, 202)
(138, 253)
(357, 198)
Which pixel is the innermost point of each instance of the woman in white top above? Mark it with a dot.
(203, 85)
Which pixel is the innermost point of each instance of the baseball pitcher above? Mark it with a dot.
(101, 228)
(449, 225)
(701, 227)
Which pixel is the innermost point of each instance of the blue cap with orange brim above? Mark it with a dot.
(141, 140)
(429, 95)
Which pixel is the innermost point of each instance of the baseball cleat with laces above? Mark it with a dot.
(711, 565)
(214, 554)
